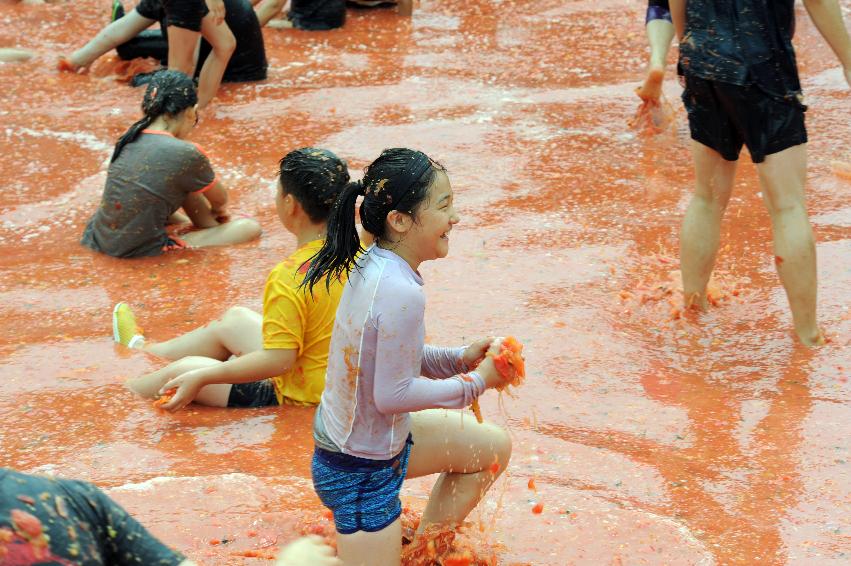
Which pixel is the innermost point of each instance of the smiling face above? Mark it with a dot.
(427, 237)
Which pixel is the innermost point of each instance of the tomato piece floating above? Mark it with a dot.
(538, 508)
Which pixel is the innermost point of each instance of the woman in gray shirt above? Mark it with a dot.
(153, 173)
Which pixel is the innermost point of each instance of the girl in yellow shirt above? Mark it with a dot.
(245, 359)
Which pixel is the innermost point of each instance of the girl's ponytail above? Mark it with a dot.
(342, 244)
(131, 135)
(168, 92)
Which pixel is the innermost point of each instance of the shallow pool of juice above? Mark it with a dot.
(652, 437)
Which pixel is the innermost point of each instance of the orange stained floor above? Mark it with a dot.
(651, 438)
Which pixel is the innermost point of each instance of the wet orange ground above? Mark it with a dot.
(651, 439)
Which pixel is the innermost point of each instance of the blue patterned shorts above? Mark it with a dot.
(363, 494)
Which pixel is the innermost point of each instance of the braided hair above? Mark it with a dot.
(398, 180)
(169, 92)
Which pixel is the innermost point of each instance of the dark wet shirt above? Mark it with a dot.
(144, 186)
(51, 522)
(317, 14)
(742, 42)
(248, 62)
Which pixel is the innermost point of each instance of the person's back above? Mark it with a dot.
(148, 181)
(381, 282)
(295, 318)
(742, 42)
(55, 521)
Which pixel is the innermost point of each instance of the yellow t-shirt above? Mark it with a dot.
(294, 320)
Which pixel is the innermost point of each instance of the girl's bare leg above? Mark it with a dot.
(120, 31)
(212, 232)
(223, 44)
(463, 453)
(149, 385)
(268, 9)
(368, 549)
(234, 232)
(237, 332)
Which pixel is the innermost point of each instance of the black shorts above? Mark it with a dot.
(724, 117)
(254, 394)
(185, 14)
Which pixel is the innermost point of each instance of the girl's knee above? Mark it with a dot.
(501, 445)
(237, 313)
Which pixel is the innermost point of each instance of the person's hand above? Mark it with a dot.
(486, 367)
(187, 386)
(217, 10)
(475, 352)
(308, 551)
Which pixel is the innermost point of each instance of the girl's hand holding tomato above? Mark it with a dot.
(475, 352)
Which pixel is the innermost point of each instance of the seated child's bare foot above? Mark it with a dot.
(67, 65)
(14, 55)
(651, 90)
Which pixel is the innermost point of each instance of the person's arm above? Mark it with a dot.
(827, 16)
(217, 195)
(118, 32)
(268, 9)
(678, 16)
(120, 538)
(217, 9)
(253, 366)
(440, 363)
(395, 389)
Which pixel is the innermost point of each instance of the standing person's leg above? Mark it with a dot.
(660, 33)
(783, 177)
(182, 48)
(238, 332)
(701, 229)
(223, 45)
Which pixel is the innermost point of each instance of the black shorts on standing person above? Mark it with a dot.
(64, 522)
(248, 62)
(741, 77)
(185, 14)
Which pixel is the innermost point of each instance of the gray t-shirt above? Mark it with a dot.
(144, 186)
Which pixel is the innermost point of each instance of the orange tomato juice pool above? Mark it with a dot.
(651, 437)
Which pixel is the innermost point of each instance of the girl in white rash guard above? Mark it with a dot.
(367, 443)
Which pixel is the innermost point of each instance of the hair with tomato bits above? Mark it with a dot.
(169, 92)
(398, 180)
(315, 178)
